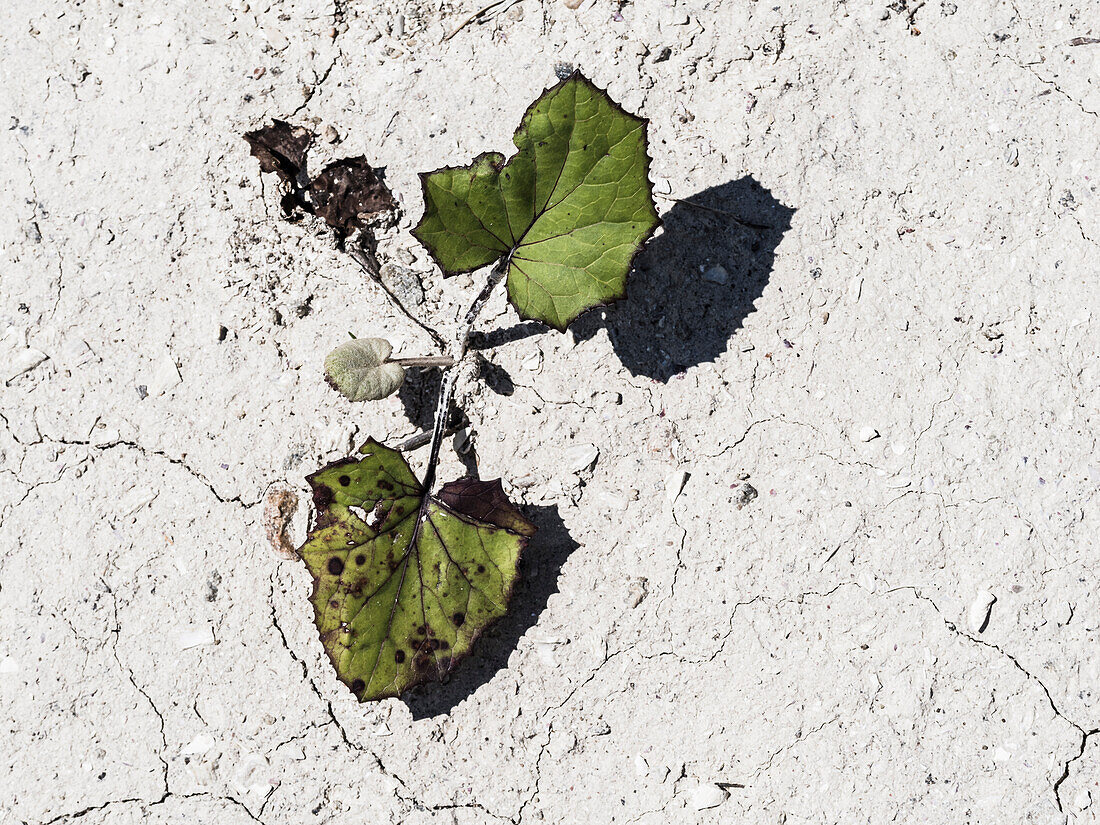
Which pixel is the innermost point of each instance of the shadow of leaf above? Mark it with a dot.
(677, 313)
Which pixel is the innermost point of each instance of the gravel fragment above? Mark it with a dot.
(867, 433)
(717, 274)
(706, 796)
(581, 457)
(978, 614)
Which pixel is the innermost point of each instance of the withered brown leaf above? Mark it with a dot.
(348, 192)
(281, 148)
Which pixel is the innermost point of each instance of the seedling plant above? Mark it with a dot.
(407, 576)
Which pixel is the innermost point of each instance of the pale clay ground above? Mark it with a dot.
(814, 656)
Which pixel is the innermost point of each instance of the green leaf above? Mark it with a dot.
(570, 209)
(404, 582)
(359, 371)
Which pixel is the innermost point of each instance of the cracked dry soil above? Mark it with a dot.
(894, 349)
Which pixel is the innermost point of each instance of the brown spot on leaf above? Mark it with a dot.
(344, 481)
(360, 560)
(335, 566)
(399, 656)
(322, 497)
(357, 686)
(385, 485)
(459, 619)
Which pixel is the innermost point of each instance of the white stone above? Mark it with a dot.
(580, 457)
(674, 483)
(165, 375)
(75, 352)
(21, 361)
(706, 796)
(200, 744)
(195, 637)
(978, 614)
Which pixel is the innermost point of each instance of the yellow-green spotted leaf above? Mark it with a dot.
(570, 209)
(404, 582)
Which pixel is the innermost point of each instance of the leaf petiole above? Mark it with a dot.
(424, 361)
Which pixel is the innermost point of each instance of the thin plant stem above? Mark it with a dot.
(369, 264)
(450, 376)
(424, 361)
(415, 442)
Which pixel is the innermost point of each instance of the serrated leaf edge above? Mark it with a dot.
(420, 514)
(575, 75)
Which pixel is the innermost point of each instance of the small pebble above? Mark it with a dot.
(1082, 800)
(580, 457)
(330, 134)
(295, 752)
(195, 638)
(402, 282)
(641, 767)
(165, 374)
(717, 274)
(75, 352)
(978, 614)
(9, 665)
(867, 433)
(745, 493)
(706, 796)
(21, 362)
(199, 745)
(639, 588)
(674, 484)
(533, 362)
